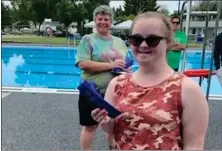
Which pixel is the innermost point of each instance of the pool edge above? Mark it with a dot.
(65, 91)
(40, 90)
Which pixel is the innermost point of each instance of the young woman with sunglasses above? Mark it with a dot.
(161, 109)
(177, 46)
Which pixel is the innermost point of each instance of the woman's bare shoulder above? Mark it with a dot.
(192, 92)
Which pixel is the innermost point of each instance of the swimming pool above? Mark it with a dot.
(54, 67)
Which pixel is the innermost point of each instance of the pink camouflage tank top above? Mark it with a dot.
(156, 115)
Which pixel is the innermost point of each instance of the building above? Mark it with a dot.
(198, 22)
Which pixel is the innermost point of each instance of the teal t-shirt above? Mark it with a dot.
(173, 57)
(95, 48)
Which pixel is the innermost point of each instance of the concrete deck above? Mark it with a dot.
(4, 94)
(50, 122)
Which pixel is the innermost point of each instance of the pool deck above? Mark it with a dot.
(36, 121)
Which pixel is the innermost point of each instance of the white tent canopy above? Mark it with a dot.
(90, 24)
(124, 25)
(94, 30)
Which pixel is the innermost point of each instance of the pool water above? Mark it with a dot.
(193, 61)
(54, 67)
(45, 67)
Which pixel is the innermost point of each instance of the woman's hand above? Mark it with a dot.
(99, 115)
(104, 121)
(128, 70)
(118, 63)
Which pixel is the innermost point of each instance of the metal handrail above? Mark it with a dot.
(186, 31)
(181, 14)
(205, 40)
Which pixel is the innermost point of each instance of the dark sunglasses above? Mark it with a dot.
(177, 23)
(151, 41)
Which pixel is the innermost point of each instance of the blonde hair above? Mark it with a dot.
(103, 9)
(165, 19)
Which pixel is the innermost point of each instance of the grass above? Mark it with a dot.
(33, 39)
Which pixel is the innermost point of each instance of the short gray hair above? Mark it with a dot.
(103, 9)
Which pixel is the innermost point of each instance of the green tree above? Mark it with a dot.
(164, 10)
(34, 10)
(69, 11)
(22, 10)
(6, 16)
(131, 17)
(137, 6)
(118, 12)
(206, 5)
(202, 5)
(64, 12)
(43, 9)
(175, 13)
(90, 5)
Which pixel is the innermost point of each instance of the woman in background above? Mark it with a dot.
(97, 54)
(177, 46)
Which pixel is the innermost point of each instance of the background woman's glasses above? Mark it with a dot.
(175, 23)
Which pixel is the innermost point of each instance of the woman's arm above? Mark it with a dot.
(84, 55)
(195, 115)
(95, 67)
(85, 62)
(171, 45)
(176, 47)
(179, 47)
(110, 98)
